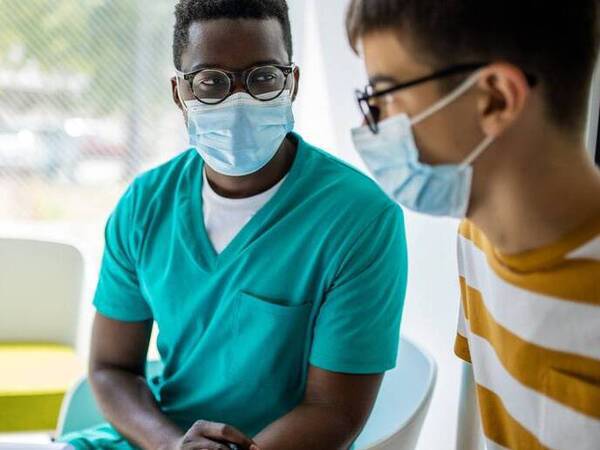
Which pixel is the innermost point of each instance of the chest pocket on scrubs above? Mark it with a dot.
(270, 344)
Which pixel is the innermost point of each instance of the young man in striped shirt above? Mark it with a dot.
(477, 110)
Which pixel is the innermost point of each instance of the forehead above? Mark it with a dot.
(389, 54)
(234, 44)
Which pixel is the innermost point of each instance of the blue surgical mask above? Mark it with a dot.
(241, 135)
(392, 157)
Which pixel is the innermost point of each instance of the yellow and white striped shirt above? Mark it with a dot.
(530, 325)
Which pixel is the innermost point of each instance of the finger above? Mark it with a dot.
(237, 447)
(204, 444)
(224, 432)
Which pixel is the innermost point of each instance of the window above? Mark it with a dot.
(85, 105)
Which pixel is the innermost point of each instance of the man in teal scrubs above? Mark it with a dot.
(276, 274)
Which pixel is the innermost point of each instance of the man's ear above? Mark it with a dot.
(296, 82)
(175, 93)
(503, 95)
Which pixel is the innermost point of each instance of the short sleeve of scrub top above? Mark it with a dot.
(118, 294)
(357, 330)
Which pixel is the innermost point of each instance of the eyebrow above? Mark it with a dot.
(266, 62)
(382, 79)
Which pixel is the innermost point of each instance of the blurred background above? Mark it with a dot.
(85, 106)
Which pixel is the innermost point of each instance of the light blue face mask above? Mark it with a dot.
(392, 157)
(241, 135)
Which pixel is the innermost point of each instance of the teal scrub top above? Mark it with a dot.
(317, 277)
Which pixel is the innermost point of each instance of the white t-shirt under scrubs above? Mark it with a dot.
(225, 217)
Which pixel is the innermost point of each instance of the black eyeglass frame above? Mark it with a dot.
(372, 113)
(244, 75)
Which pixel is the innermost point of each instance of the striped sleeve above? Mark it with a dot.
(461, 343)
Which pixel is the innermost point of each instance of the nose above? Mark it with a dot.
(238, 85)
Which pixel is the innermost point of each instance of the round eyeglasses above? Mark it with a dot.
(214, 86)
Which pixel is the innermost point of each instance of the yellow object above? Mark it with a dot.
(529, 325)
(33, 382)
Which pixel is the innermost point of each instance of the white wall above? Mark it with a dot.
(325, 112)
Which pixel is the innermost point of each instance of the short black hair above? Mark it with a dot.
(555, 40)
(189, 11)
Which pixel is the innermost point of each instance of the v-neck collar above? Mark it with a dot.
(191, 214)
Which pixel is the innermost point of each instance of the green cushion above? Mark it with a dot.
(33, 382)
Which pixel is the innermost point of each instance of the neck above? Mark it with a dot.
(258, 182)
(538, 194)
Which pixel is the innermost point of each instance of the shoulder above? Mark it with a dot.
(155, 186)
(348, 187)
(160, 180)
(470, 235)
(167, 174)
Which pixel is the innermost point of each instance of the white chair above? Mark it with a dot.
(80, 410)
(40, 294)
(40, 291)
(403, 402)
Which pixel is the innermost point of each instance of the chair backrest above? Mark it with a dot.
(403, 402)
(40, 291)
(79, 409)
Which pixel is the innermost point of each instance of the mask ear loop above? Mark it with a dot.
(485, 144)
(458, 92)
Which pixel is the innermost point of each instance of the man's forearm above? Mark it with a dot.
(130, 407)
(318, 427)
